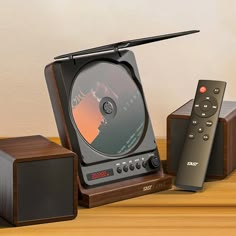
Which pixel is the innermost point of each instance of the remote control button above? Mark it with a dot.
(119, 170)
(205, 105)
(200, 130)
(209, 123)
(216, 91)
(125, 168)
(131, 167)
(212, 111)
(202, 89)
(205, 137)
(191, 136)
(194, 122)
(138, 166)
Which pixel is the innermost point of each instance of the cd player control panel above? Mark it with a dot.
(127, 167)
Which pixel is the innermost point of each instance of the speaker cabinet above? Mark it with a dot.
(223, 155)
(38, 181)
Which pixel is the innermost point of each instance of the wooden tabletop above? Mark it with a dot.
(170, 212)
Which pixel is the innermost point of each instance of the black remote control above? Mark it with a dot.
(200, 135)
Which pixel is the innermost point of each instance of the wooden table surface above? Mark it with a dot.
(170, 212)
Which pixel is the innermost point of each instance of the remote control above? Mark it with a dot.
(200, 135)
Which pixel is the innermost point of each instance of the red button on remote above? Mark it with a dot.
(202, 89)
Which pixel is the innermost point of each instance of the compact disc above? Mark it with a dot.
(107, 108)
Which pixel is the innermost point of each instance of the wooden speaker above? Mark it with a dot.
(38, 181)
(223, 155)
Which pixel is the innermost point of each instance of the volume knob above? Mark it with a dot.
(154, 162)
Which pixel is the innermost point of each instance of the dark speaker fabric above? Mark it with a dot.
(38, 181)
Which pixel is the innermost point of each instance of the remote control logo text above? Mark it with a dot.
(190, 163)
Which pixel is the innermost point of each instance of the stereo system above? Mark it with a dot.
(109, 151)
(101, 114)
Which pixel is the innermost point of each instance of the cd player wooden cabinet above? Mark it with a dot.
(123, 190)
(101, 115)
(117, 189)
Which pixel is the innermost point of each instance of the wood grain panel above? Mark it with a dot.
(172, 212)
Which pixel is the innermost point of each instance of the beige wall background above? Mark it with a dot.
(32, 32)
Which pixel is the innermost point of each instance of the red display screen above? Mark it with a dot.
(100, 174)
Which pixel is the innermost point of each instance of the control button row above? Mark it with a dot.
(203, 89)
(204, 137)
(131, 167)
(208, 123)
